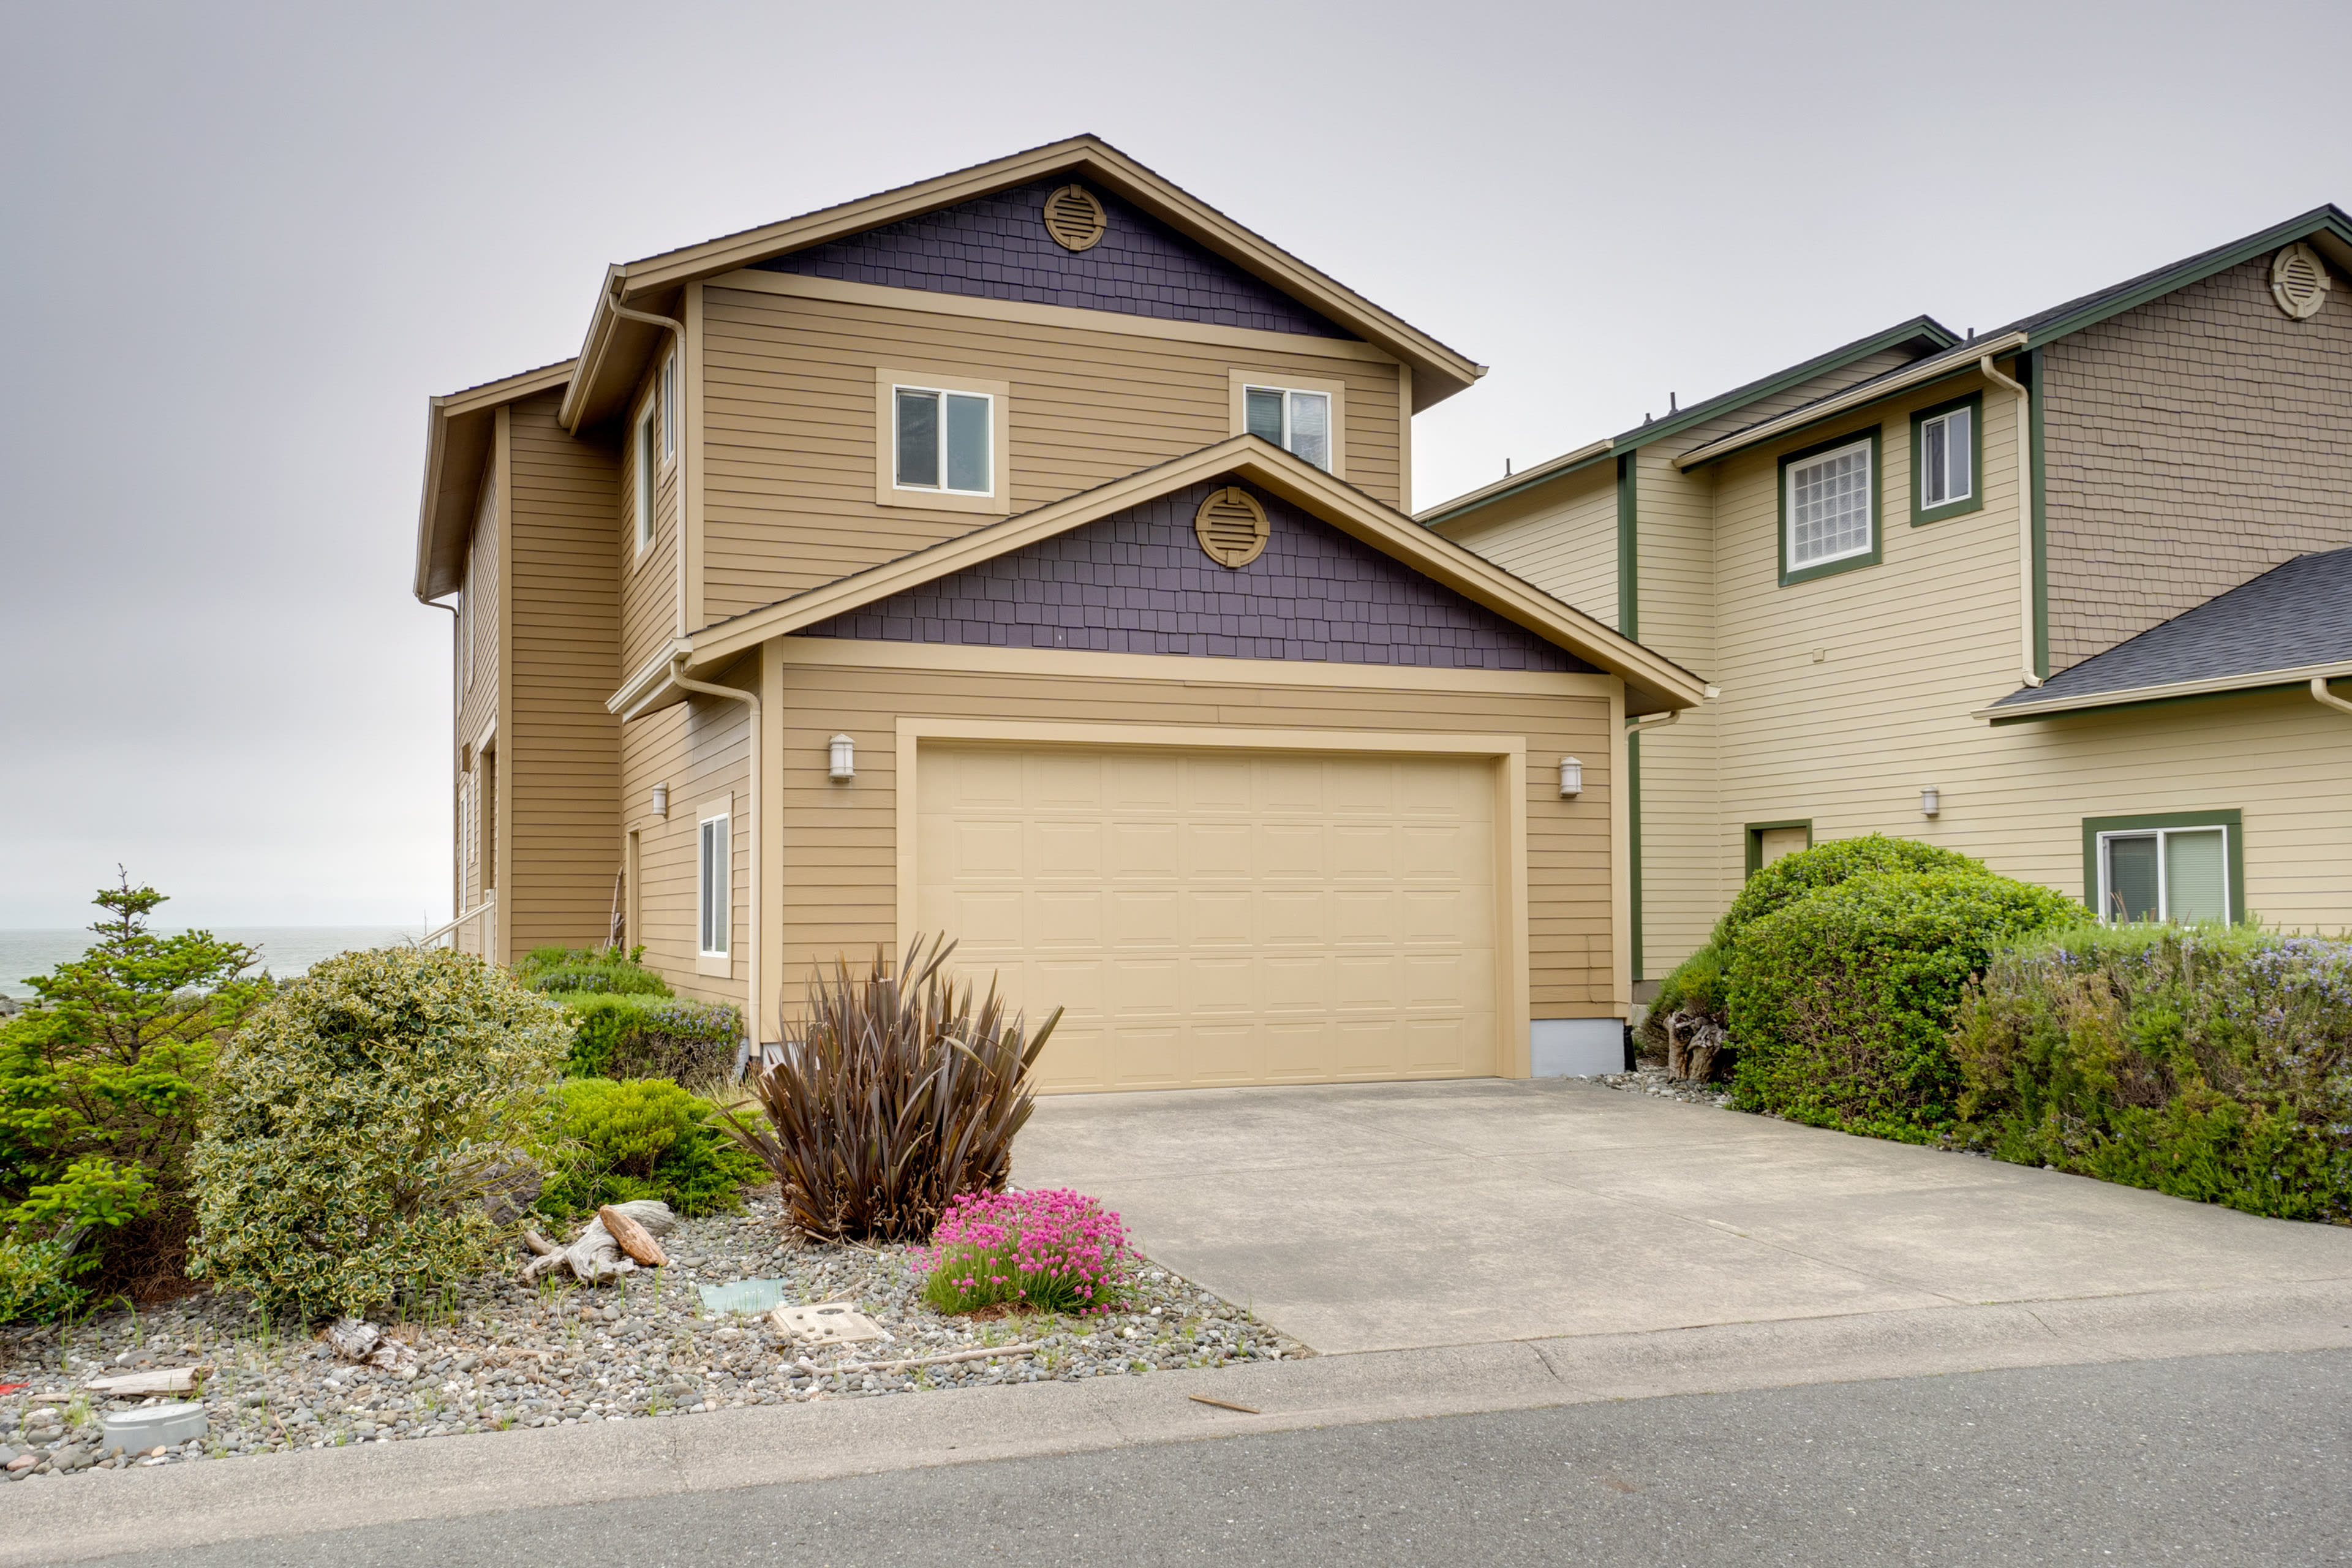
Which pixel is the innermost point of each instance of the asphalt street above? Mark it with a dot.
(2211, 1460)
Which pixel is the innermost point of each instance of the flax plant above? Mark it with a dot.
(901, 1092)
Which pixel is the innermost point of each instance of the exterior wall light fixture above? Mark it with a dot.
(661, 800)
(1571, 778)
(844, 752)
(1931, 801)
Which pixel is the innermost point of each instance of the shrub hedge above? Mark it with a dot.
(2210, 1062)
(1842, 1000)
(645, 1139)
(631, 1034)
(569, 970)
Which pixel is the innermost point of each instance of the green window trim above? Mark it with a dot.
(1877, 510)
(1757, 830)
(2233, 847)
(1974, 500)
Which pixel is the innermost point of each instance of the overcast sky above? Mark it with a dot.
(243, 243)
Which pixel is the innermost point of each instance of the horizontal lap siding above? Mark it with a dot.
(477, 707)
(2190, 446)
(648, 580)
(839, 853)
(1561, 537)
(699, 750)
(790, 426)
(1683, 876)
(563, 749)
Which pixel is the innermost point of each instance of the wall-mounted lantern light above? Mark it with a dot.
(844, 759)
(1931, 801)
(1571, 778)
(661, 800)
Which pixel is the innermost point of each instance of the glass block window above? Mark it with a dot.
(1829, 506)
(943, 440)
(1297, 422)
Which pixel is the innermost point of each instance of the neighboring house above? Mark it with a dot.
(1018, 555)
(2095, 656)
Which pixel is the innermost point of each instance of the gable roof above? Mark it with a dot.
(616, 348)
(458, 427)
(1653, 683)
(2287, 626)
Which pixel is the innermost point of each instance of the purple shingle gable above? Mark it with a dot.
(996, 247)
(1138, 581)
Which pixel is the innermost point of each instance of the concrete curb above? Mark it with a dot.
(64, 1520)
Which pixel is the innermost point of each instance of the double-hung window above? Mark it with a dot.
(1946, 460)
(1297, 422)
(1828, 508)
(2181, 868)
(944, 439)
(646, 459)
(715, 898)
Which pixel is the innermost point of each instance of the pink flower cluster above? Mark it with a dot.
(1056, 1250)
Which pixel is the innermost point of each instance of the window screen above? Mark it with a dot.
(1829, 506)
(1297, 422)
(2166, 874)
(718, 885)
(1946, 447)
(943, 441)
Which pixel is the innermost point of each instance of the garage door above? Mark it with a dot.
(1221, 917)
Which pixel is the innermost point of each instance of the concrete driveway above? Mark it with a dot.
(1392, 1216)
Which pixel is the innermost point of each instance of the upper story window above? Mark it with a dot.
(2183, 868)
(1294, 420)
(646, 460)
(944, 439)
(669, 408)
(1828, 508)
(1946, 458)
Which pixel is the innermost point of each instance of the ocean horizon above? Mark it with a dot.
(285, 950)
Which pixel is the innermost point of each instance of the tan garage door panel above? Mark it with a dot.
(1221, 917)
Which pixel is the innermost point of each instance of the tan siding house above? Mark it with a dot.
(2088, 618)
(848, 590)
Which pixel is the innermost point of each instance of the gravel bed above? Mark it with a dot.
(1658, 1081)
(498, 1355)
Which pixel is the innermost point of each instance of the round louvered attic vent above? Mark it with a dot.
(1231, 527)
(2298, 282)
(1075, 218)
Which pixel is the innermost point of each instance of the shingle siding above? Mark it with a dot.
(2190, 444)
(996, 247)
(1139, 582)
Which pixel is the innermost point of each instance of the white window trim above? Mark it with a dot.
(888, 491)
(1870, 503)
(718, 961)
(1241, 381)
(2163, 872)
(646, 494)
(667, 396)
(942, 394)
(1967, 461)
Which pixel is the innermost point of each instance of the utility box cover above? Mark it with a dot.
(153, 1426)
(743, 1296)
(827, 1323)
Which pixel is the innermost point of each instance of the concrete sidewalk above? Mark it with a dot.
(1388, 1217)
(101, 1513)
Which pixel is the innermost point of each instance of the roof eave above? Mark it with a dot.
(1514, 484)
(444, 508)
(2170, 691)
(1925, 372)
(2327, 224)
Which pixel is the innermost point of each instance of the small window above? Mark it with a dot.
(717, 898)
(1297, 422)
(668, 409)
(1946, 458)
(645, 457)
(1829, 506)
(2166, 874)
(943, 440)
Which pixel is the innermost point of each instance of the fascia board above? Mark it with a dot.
(645, 682)
(1280, 473)
(1514, 484)
(1925, 372)
(1717, 407)
(2326, 222)
(441, 487)
(2255, 680)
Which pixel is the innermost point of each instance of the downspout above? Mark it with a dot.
(678, 330)
(1651, 721)
(2319, 693)
(750, 700)
(2024, 517)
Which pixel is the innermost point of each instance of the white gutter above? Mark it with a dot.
(2319, 693)
(1651, 721)
(750, 701)
(2318, 675)
(2024, 517)
(678, 330)
(1934, 367)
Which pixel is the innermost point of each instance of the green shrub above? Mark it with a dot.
(1809, 871)
(564, 970)
(645, 1139)
(2209, 1062)
(360, 1121)
(1841, 1002)
(101, 1088)
(637, 1036)
(904, 1090)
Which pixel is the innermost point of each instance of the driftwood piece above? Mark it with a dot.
(539, 1244)
(595, 1256)
(166, 1380)
(988, 1352)
(632, 1237)
(1693, 1044)
(358, 1340)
